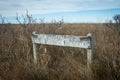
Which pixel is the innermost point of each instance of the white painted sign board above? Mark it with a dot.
(62, 40)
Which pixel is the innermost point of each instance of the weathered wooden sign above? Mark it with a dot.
(62, 40)
(65, 40)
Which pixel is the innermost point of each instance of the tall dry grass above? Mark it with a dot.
(58, 63)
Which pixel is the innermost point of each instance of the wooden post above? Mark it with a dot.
(89, 57)
(35, 51)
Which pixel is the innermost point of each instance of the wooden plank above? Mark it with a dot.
(62, 40)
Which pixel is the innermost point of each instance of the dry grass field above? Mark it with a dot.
(58, 63)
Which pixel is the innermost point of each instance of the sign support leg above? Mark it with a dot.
(35, 53)
(89, 64)
(89, 58)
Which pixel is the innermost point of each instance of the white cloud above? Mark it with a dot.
(10, 7)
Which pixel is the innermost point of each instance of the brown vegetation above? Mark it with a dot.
(58, 63)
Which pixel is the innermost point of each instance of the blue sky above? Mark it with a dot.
(73, 11)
